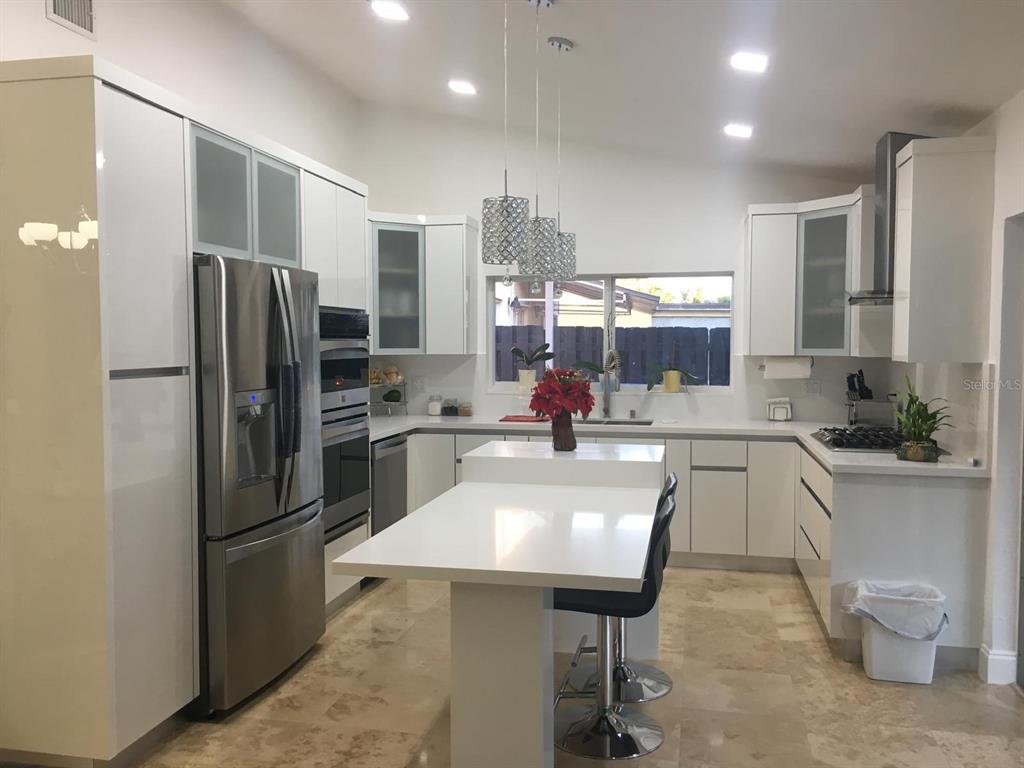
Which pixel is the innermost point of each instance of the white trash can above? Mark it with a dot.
(900, 624)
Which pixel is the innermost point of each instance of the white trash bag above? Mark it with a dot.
(913, 611)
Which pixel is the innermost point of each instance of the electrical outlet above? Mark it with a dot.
(812, 387)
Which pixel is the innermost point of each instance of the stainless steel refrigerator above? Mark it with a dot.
(261, 489)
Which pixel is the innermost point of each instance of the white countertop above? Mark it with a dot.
(522, 535)
(585, 452)
(837, 462)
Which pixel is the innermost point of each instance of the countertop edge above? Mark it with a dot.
(796, 431)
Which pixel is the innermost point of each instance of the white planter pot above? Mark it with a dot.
(527, 378)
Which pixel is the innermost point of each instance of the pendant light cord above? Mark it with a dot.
(558, 145)
(536, 112)
(505, 66)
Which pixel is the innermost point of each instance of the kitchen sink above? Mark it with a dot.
(617, 422)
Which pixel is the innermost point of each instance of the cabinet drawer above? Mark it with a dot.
(816, 478)
(719, 453)
(814, 521)
(336, 584)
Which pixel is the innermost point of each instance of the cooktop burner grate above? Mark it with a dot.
(860, 438)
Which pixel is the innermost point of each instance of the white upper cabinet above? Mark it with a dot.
(772, 284)
(801, 264)
(277, 210)
(221, 195)
(398, 266)
(334, 241)
(423, 277)
(944, 199)
(446, 319)
(352, 288)
(146, 257)
(244, 203)
(824, 240)
(320, 235)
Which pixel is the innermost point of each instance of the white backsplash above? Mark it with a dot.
(822, 398)
(965, 388)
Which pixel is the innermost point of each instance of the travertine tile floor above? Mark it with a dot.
(755, 685)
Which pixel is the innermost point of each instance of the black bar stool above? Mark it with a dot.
(634, 682)
(608, 730)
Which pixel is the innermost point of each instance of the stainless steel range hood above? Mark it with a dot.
(885, 219)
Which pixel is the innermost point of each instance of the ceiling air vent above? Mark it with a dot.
(73, 14)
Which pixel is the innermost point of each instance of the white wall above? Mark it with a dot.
(1005, 333)
(631, 213)
(203, 53)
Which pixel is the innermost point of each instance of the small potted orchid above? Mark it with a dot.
(561, 393)
(527, 361)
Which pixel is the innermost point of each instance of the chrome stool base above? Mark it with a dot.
(614, 733)
(635, 682)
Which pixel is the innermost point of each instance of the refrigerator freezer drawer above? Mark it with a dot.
(266, 603)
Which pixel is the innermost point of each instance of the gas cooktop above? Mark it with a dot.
(860, 438)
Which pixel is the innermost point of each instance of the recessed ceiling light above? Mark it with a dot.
(738, 131)
(462, 87)
(390, 10)
(745, 61)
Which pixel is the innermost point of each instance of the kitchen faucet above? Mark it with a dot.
(612, 366)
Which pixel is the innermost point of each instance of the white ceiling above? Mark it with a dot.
(653, 75)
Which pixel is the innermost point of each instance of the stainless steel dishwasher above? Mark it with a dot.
(389, 483)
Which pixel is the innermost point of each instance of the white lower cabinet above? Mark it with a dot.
(431, 467)
(771, 498)
(814, 537)
(677, 459)
(335, 584)
(718, 511)
(152, 551)
(466, 443)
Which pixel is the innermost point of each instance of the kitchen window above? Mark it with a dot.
(681, 321)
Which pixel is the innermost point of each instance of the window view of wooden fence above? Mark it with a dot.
(703, 352)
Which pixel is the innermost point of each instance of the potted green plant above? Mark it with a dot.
(670, 376)
(527, 361)
(918, 421)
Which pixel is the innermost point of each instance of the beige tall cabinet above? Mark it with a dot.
(97, 536)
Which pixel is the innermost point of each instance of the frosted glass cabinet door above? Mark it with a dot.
(824, 241)
(398, 261)
(277, 211)
(221, 195)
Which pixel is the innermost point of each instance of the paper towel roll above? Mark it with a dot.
(787, 367)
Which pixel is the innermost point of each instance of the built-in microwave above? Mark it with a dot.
(344, 357)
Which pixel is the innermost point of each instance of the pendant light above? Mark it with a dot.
(541, 231)
(565, 257)
(504, 219)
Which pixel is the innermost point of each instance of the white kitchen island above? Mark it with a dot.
(633, 465)
(504, 548)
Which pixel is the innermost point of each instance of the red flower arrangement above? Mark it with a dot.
(561, 393)
(562, 390)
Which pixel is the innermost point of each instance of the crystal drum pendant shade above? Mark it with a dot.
(565, 261)
(503, 226)
(504, 219)
(541, 247)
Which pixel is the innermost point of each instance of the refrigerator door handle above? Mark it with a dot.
(288, 395)
(286, 282)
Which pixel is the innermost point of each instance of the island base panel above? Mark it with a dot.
(502, 686)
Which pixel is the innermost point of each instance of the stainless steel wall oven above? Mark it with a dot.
(344, 416)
